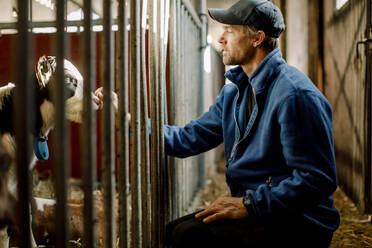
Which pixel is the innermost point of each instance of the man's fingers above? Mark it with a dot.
(98, 102)
(99, 90)
(205, 212)
(213, 217)
(96, 99)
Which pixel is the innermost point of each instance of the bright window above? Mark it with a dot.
(340, 3)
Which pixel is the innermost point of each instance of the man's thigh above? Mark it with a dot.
(188, 231)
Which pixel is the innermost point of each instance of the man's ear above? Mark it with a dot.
(259, 38)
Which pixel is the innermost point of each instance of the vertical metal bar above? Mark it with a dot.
(30, 12)
(173, 81)
(88, 136)
(193, 78)
(202, 39)
(123, 142)
(187, 173)
(183, 107)
(165, 43)
(108, 127)
(61, 164)
(178, 92)
(178, 165)
(145, 158)
(160, 121)
(135, 140)
(23, 94)
(164, 117)
(153, 81)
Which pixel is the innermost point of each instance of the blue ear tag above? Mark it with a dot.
(41, 148)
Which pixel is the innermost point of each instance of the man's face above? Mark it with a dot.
(237, 47)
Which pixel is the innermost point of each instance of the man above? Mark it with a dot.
(277, 132)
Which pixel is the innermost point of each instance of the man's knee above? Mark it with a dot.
(191, 232)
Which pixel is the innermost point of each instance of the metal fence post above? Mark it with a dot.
(88, 135)
(23, 108)
(61, 163)
(108, 164)
(123, 127)
(145, 158)
(135, 141)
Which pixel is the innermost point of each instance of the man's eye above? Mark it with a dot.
(229, 29)
(72, 81)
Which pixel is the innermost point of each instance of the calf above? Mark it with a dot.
(44, 80)
(7, 200)
(44, 211)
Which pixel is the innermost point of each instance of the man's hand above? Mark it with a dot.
(99, 99)
(224, 208)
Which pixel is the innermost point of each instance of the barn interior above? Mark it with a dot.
(165, 58)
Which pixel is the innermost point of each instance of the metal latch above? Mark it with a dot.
(362, 42)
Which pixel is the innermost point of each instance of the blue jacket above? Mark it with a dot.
(283, 159)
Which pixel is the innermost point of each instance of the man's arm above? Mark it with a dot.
(196, 137)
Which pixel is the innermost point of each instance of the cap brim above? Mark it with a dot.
(224, 16)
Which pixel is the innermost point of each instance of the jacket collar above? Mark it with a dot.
(260, 77)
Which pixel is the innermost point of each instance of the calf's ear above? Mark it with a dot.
(44, 69)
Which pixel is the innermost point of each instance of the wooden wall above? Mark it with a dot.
(344, 86)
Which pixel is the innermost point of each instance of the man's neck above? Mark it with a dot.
(254, 63)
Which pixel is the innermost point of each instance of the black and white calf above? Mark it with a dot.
(44, 80)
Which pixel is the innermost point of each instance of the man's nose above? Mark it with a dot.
(222, 39)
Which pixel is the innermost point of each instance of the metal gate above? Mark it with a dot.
(151, 193)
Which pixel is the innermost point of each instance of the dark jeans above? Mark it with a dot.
(282, 231)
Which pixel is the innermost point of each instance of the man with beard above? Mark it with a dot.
(276, 127)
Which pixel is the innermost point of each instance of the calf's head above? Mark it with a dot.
(45, 73)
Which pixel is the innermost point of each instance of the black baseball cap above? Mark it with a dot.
(261, 14)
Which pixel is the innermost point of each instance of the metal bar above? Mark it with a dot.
(178, 164)
(183, 107)
(166, 37)
(168, 176)
(135, 122)
(173, 80)
(160, 120)
(164, 117)
(186, 78)
(202, 38)
(23, 94)
(108, 164)
(190, 9)
(88, 136)
(123, 142)
(30, 11)
(13, 25)
(145, 158)
(61, 164)
(153, 80)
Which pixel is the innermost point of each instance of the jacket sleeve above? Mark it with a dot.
(198, 135)
(305, 123)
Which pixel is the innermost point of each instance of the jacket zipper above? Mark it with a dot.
(236, 123)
